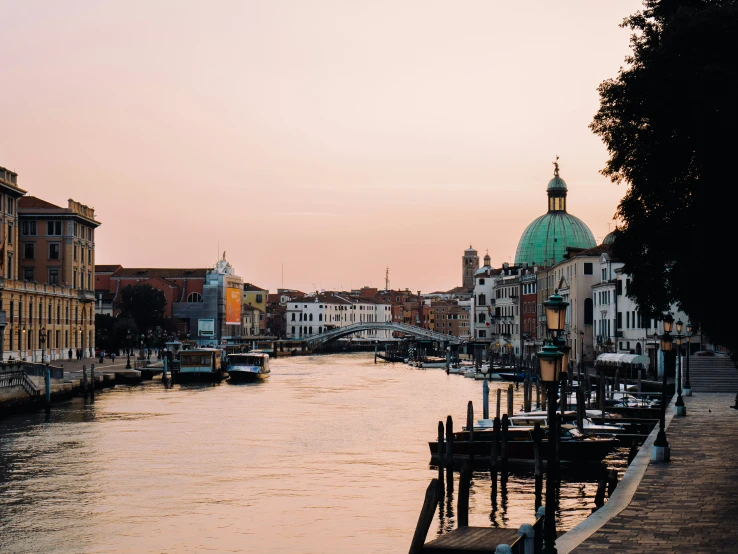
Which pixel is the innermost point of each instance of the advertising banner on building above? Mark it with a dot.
(206, 327)
(233, 306)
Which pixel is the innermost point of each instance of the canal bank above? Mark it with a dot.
(23, 387)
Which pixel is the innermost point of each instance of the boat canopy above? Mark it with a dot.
(622, 360)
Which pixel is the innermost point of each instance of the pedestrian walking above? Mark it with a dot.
(112, 356)
(70, 354)
(102, 356)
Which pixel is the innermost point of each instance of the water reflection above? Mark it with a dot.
(330, 454)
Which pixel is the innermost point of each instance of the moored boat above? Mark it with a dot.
(250, 366)
(200, 364)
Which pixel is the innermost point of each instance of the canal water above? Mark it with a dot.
(329, 454)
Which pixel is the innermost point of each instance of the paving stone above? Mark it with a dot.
(689, 504)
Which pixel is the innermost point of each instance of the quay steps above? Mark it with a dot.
(712, 374)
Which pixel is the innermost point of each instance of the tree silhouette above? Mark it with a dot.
(670, 126)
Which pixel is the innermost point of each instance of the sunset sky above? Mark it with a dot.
(333, 138)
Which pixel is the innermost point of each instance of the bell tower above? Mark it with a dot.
(469, 267)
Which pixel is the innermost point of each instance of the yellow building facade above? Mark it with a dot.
(47, 276)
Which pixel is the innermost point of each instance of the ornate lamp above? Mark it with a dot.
(555, 308)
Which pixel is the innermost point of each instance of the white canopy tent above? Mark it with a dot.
(622, 360)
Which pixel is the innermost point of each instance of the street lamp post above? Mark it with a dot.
(660, 451)
(581, 355)
(42, 341)
(551, 361)
(688, 337)
(128, 349)
(679, 408)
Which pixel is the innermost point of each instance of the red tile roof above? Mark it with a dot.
(112, 268)
(34, 203)
(161, 272)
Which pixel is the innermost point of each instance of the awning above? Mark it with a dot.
(622, 360)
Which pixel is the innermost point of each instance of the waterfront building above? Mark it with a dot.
(323, 311)
(205, 303)
(256, 297)
(483, 321)
(529, 311)
(545, 240)
(507, 307)
(47, 255)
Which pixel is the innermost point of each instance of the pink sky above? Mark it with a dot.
(334, 137)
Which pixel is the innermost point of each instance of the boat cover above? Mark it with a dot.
(619, 360)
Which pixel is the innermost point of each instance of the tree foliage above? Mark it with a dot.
(669, 123)
(145, 305)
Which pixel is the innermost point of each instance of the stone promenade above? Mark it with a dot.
(689, 505)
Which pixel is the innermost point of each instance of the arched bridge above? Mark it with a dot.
(333, 334)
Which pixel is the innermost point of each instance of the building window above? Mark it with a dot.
(588, 268)
(28, 274)
(10, 233)
(89, 256)
(53, 250)
(588, 311)
(74, 281)
(29, 228)
(54, 228)
(194, 297)
(293, 319)
(259, 298)
(75, 252)
(481, 281)
(29, 251)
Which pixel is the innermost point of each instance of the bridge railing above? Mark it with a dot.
(388, 325)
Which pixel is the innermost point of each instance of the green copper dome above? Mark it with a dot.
(545, 240)
(549, 235)
(609, 238)
(557, 183)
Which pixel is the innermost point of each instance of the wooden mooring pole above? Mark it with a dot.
(441, 456)
(485, 399)
(426, 517)
(505, 426)
(47, 387)
(510, 400)
(449, 454)
(84, 380)
(92, 382)
(462, 510)
(499, 402)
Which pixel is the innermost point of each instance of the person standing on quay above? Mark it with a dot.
(70, 354)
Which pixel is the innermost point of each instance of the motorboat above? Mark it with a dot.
(249, 366)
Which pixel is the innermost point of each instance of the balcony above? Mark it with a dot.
(86, 295)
